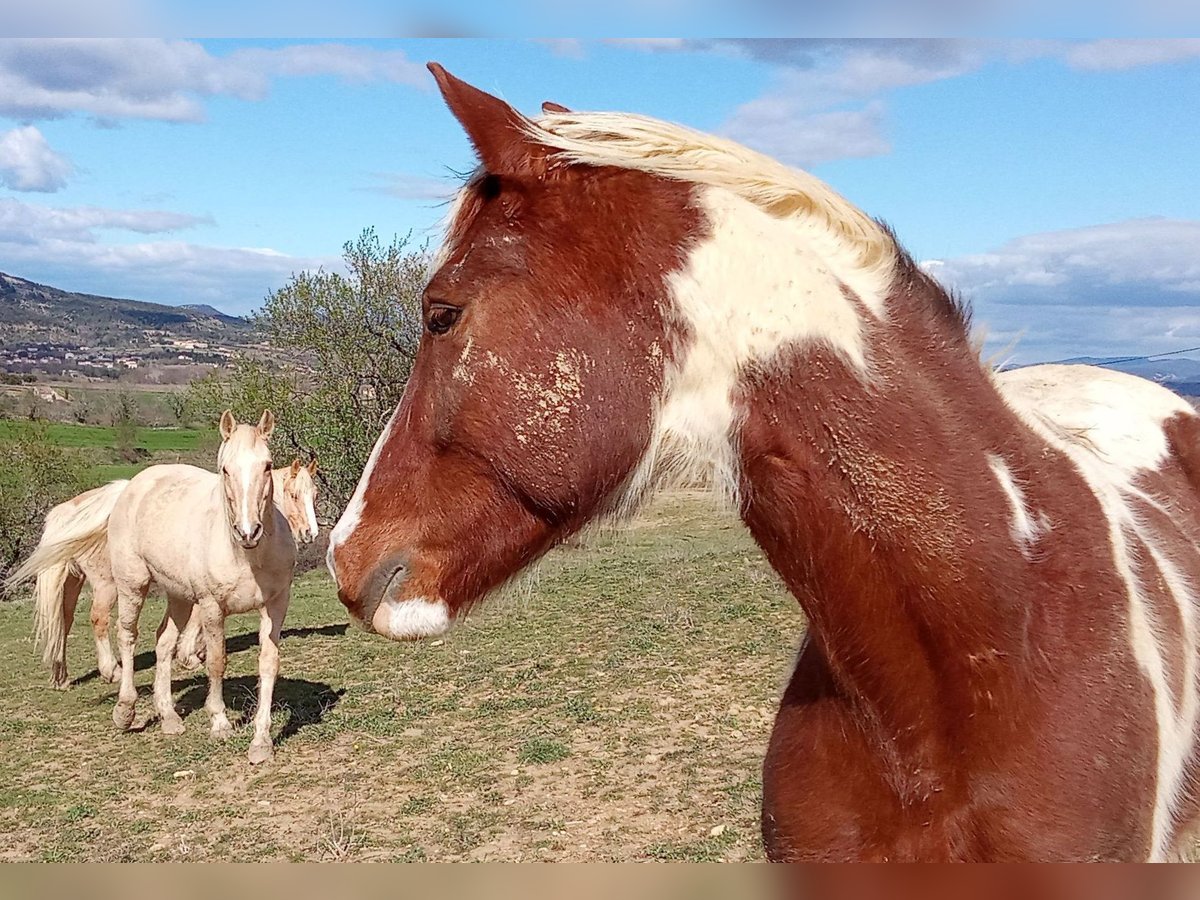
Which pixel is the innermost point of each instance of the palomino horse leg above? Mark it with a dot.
(70, 598)
(192, 642)
(268, 668)
(213, 623)
(178, 611)
(104, 597)
(130, 599)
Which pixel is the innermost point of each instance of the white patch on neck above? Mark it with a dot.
(1118, 417)
(757, 285)
(1025, 527)
(353, 514)
(1110, 425)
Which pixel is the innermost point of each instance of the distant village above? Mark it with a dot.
(69, 360)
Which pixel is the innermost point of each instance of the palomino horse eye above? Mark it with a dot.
(441, 318)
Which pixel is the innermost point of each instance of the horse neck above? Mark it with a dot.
(871, 492)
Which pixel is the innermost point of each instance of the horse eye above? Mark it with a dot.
(442, 317)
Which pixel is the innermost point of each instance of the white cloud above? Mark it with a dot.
(801, 119)
(415, 187)
(775, 126)
(26, 224)
(825, 100)
(28, 163)
(571, 48)
(92, 17)
(1129, 287)
(167, 80)
(347, 62)
(1130, 54)
(63, 247)
(1136, 262)
(233, 279)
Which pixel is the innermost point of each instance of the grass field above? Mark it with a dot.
(152, 440)
(95, 447)
(615, 705)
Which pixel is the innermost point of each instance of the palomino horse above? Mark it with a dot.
(58, 585)
(295, 493)
(999, 572)
(216, 541)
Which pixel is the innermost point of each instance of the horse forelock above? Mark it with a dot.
(245, 441)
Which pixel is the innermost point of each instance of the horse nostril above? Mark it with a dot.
(398, 576)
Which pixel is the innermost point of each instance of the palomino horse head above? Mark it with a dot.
(296, 494)
(244, 464)
(581, 336)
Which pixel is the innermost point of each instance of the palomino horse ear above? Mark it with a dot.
(294, 468)
(228, 424)
(266, 424)
(312, 466)
(549, 107)
(496, 129)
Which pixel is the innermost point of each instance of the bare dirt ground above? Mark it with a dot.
(614, 705)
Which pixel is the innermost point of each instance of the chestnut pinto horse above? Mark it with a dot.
(999, 572)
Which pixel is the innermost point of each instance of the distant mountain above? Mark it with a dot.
(205, 310)
(38, 312)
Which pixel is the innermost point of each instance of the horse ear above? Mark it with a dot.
(549, 107)
(228, 424)
(266, 424)
(495, 129)
(312, 466)
(295, 467)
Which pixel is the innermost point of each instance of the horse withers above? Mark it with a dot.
(999, 571)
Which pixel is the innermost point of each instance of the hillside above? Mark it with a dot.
(43, 314)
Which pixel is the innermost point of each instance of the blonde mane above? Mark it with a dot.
(674, 151)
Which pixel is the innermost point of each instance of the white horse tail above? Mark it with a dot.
(73, 530)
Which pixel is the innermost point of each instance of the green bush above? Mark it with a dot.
(125, 428)
(351, 340)
(34, 476)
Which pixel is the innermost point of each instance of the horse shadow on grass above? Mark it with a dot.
(304, 702)
(236, 644)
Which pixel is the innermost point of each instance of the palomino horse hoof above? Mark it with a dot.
(123, 716)
(221, 730)
(112, 677)
(191, 663)
(63, 685)
(172, 725)
(58, 677)
(259, 753)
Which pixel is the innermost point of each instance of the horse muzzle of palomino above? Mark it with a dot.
(382, 608)
(248, 540)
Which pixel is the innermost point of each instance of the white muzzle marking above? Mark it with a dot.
(408, 620)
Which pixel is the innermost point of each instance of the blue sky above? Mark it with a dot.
(1055, 183)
